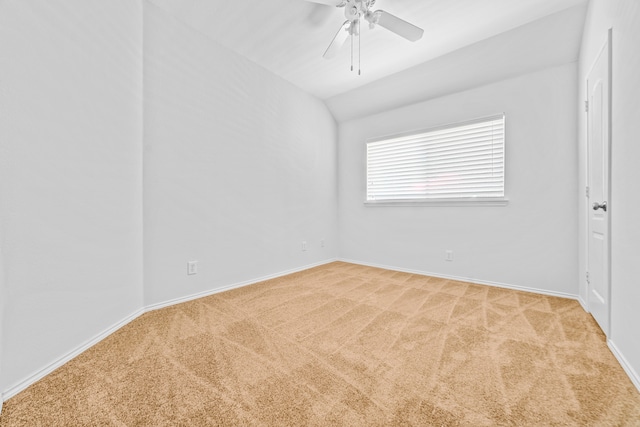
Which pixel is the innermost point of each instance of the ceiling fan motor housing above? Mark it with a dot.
(354, 9)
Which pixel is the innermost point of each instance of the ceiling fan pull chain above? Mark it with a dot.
(352, 49)
(359, 47)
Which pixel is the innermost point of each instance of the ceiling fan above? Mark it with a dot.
(355, 11)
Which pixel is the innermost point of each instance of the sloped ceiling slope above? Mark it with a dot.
(288, 37)
(550, 41)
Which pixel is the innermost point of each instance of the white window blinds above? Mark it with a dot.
(463, 161)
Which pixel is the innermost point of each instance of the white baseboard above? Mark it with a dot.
(583, 303)
(633, 375)
(466, 279)
(17, 388)
(233, 286)
(12, 391)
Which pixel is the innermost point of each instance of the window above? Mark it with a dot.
(463, 162)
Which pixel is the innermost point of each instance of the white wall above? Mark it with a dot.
(70, 175)
(239, 166)
(530, 243)
(624, 17)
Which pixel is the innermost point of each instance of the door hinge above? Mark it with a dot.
(586, 106)
(588, 277)
(586, 193)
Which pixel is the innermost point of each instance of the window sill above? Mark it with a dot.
(498, 201)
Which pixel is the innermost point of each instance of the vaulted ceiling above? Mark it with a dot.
(288, 37)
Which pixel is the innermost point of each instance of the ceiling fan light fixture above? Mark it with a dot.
(354, 28)
(372, 18)
(351, 12)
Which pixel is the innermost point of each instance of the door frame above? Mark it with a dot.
(608, 47)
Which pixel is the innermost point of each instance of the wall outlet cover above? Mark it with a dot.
(192, 268)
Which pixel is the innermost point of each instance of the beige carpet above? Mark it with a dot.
(344, 345)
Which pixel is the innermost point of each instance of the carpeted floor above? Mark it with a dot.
(345, 345)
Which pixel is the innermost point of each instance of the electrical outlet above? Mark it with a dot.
(192, 267)
(448, 255)
(304, 245)
(322, 243)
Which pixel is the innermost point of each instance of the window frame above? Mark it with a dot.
(435, 202)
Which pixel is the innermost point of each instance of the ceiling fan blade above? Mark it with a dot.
(399, 26)
(338, 41)
(327, 2)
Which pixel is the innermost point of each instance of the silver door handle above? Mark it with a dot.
(602, 206)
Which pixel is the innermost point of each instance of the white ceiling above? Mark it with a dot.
(288, 37)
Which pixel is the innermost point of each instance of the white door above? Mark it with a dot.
(599, 208)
